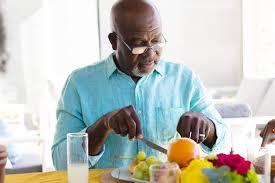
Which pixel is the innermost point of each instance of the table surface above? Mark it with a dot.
(52, 177)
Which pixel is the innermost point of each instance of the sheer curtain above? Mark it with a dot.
(259, 38)
(59, 37)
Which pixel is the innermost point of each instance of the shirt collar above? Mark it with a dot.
(111, 66)
(160, 68)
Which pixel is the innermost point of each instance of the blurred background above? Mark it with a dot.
(230, 44)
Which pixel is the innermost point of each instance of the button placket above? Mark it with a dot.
(138, 96)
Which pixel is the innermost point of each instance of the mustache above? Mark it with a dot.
(149, 61)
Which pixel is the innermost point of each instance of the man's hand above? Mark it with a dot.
(123, 121)
(268, 133)
(3, 157)
(196, 126)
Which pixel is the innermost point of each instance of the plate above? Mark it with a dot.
(124, 174)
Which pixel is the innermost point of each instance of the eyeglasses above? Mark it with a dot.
(142, 49)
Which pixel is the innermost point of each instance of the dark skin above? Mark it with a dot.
(138, 24)
(268, 134)
(3, 161)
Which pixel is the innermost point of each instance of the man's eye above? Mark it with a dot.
(139, 43)
(155, 41)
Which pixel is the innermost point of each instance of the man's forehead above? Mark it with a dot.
(139, 24)
(156, 31)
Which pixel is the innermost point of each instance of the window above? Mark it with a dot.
(259, 38)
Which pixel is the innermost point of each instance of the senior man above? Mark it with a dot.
(134, 94)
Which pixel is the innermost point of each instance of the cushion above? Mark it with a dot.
(233, 110)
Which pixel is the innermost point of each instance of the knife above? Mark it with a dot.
(154, 146)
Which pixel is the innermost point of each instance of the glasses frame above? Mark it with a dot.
(154, 47)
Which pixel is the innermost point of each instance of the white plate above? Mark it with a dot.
(124, 174)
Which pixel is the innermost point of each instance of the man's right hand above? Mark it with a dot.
(123, 121)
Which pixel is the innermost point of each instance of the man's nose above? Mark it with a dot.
(149, 53)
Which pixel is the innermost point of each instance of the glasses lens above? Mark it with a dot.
(142, 49)
(158, 47)
(138, 50)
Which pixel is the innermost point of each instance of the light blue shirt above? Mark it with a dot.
(159, 98)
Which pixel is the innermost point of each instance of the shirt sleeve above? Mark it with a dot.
(200, 102)
(69, 120)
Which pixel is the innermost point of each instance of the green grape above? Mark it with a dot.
(146, 175)
(151, 160)
(142, 166)
(138, 174)
(141, 155)
(146, 171)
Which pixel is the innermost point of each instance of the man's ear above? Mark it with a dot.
(113, 40)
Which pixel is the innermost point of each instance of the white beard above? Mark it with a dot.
(137, 72)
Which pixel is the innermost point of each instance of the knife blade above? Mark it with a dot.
(154, 146)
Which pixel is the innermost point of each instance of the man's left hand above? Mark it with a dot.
(196, 126)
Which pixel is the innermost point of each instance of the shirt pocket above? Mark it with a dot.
(167, 120)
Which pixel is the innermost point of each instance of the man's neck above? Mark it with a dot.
(134, 78)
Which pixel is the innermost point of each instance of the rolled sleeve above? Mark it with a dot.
(94, 159)
(69, 120)
(200, 102)
(223, 142)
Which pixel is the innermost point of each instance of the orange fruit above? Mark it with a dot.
(182, 151)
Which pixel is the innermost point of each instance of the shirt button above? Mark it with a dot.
(139, 112)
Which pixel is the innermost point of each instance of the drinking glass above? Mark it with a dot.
(77, 157)
(261, 160)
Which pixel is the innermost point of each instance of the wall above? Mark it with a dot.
(206, 35)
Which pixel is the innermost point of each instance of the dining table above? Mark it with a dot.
(95, 176)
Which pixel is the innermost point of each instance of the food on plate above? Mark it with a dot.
(140, 166)
(182, 151)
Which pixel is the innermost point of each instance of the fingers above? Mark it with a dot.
(2, 148)
(131, 126)
(137, 122)
(195, 130)
(126, 122)
(123, 128)
(114, 123)
(3, 161)
(184, 126)
(193, 123)
(3, 155)
(202, 133)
